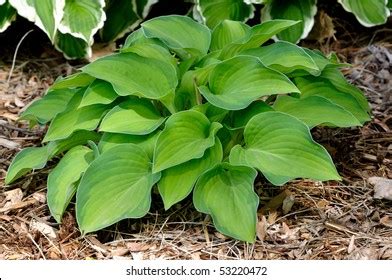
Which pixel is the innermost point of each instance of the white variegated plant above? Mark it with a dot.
(368, 12)
(211, 12)
(191, 111)
(71, 25)
(7, 15)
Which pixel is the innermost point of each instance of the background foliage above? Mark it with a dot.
(71, 25)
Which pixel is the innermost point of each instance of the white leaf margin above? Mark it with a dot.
(308, 24)
(198, 14)
(28, 12)
(364, 23)
(9, 21)
(255, 1)
(88, 50)
(146, 8)
(67, 30)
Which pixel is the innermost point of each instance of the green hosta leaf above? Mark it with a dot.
(302, 10)
(99, 92)
(175, 32)
(280, 145)
(25, 161)
(208, 60)
(187, 96)
(72, 47)
(135, 116)
(7, 15)
(226, 193)
(389, 4)
(121, 18)
(214, 12)
(313, 86)
(368, 12)
(82, 18)
(186, 136)
(146, 142)
(237, 82)
(336, 77)
(214, 114)
(316, 110)
(259, 34)
(152, 50)
(46, 14)
(45, 109)
(117, 185)
(238, 119)
(138, 37)
(138, 43)
(73, 119)
(62, 180)
(319, 58)
(76, 80)
(37, 157)
(177, 182)
(229, 138)
(284, 57)
(228, 32)
(131, 74)
(321, 61)
(80, 137)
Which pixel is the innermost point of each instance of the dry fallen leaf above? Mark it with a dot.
(13, 197)
(220, 236)
(40, 197)
(136, 247)
(19, 102)
(261, 228)
(288, 234)
(386, 221)
(119, 252)
(43, 228)
(276, 201)
(288, 203)
(382, 187)
(324, 28)
(97, 245)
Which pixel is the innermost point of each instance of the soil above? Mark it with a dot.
(302, 220)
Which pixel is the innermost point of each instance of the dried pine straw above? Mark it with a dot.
(304, 219)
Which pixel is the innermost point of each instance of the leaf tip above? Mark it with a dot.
(8, 180)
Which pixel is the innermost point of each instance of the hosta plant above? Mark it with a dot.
(192, 111)
(212, 12)
(71, 25)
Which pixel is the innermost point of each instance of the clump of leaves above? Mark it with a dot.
(188, 109)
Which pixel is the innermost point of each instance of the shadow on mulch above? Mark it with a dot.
(301, 220)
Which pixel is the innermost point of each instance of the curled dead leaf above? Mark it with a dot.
(386, 221)
(382, 187)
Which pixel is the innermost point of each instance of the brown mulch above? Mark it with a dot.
(301, 220)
